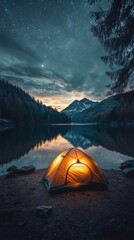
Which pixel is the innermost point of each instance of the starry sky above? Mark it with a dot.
(47, 49)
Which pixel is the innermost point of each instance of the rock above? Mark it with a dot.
(26, 170)
(126, 164)
(20, 171)
(129, 171)
(12, 169)
(128, 168)
(44, 210)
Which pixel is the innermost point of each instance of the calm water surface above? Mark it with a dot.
(39, 145)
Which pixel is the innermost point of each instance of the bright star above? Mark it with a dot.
(42, 65)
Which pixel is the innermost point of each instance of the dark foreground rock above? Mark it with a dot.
(129, 163)
(26, 170)
(81, 215)
(13, 171)
(128, 168)
(44, 210)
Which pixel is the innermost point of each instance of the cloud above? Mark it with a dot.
(15, 48)
(55, 34)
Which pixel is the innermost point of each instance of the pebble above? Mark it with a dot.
(44, 210)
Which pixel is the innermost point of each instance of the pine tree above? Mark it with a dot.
(114, 27)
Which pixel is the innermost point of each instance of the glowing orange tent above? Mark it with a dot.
(72, 169)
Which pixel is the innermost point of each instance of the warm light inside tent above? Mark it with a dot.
(78, 173)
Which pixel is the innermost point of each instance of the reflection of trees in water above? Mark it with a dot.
(122, 140)
(118, 139)
(16, 142)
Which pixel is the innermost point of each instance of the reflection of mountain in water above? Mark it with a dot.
(78, 136)
(16, 142)
(118, 139)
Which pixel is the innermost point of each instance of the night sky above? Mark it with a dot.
(47, 49)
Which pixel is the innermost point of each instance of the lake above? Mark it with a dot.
(38, 145)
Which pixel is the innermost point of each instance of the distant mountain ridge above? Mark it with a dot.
(118, 108)
(78, 106)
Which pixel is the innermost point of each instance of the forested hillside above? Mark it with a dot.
(119, 108)
(18, 106)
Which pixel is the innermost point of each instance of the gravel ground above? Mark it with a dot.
(83, 215)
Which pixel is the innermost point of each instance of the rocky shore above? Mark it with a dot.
(28, 211)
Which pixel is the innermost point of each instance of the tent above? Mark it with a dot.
(72, 169)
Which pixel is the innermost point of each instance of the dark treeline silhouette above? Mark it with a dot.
(20, 107)
(18, 141)
(114, 27)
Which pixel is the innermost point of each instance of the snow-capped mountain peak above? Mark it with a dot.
(79, 106)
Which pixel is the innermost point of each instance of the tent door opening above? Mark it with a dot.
(78, 173)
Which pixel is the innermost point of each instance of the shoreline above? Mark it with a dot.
(87, 214)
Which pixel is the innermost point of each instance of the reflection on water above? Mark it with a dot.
(38, 145)
(118, 139)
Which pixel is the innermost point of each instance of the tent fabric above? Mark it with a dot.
(72, 169)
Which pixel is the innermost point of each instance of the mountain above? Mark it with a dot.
(18, 106)
(78, 107)
(118, 108)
